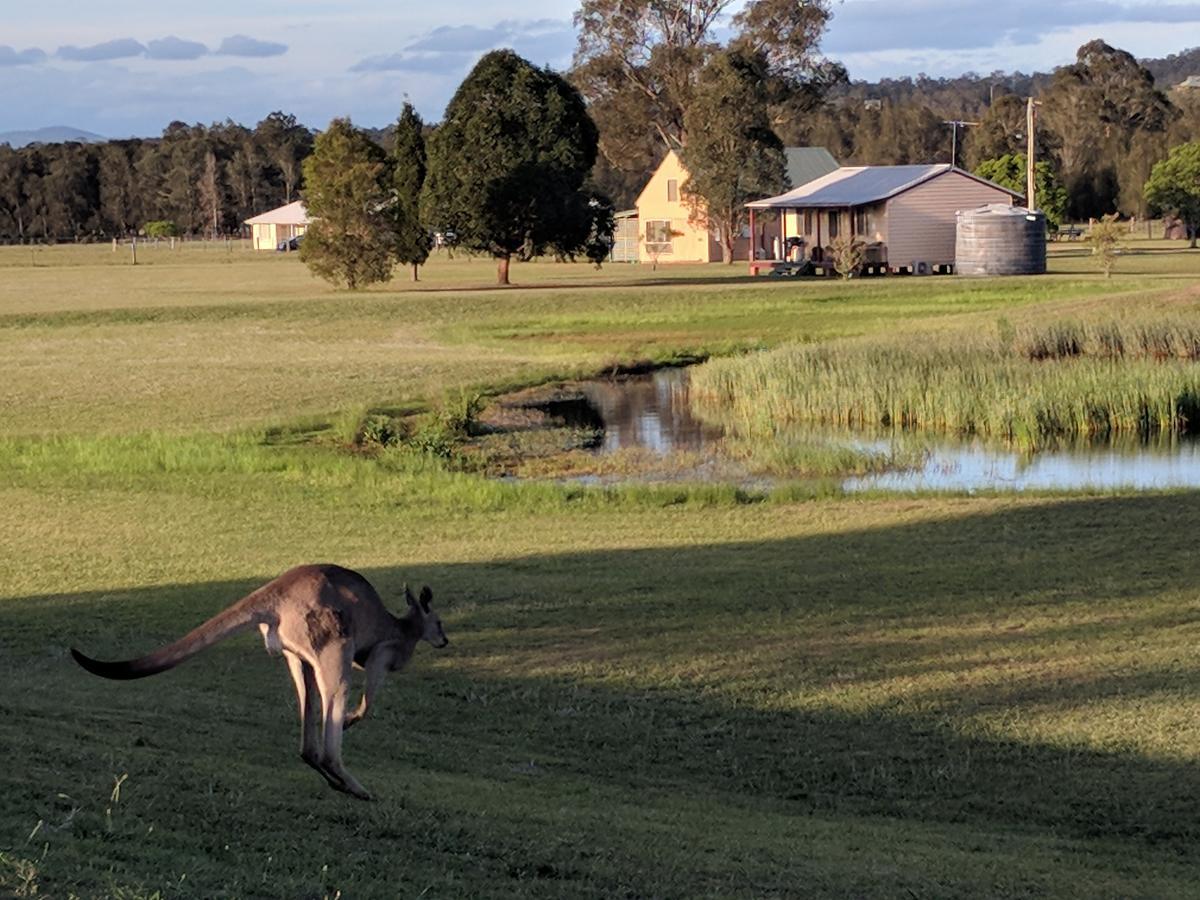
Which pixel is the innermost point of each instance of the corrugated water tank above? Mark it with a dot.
(1000, 240)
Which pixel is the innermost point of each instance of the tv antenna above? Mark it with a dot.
(955, 124)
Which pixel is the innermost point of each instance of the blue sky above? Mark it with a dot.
(121, 69)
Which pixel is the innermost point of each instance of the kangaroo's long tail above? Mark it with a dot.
(240, 616)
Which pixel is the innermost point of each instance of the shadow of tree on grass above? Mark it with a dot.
(691, 669)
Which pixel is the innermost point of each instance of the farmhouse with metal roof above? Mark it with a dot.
(904, 214)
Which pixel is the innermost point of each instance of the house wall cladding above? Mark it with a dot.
(921, 223)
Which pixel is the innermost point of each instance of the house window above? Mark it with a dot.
(808, 222)
(862, 224)
(672, 191)
(835, 222)
(658, 236)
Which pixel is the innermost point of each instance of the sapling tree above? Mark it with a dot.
(1104, 237)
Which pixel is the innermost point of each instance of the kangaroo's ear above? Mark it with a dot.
(426, 596)
(408, 596)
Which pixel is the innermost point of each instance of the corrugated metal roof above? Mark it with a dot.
(292, 214)
(854, 186)
(805, 164)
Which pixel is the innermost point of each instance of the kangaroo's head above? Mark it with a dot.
(431, 622)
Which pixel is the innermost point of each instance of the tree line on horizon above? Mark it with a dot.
(201, 179)
(657, 76)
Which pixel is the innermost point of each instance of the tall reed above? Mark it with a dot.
(1065, 381)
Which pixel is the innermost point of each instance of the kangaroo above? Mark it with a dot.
(325, 620)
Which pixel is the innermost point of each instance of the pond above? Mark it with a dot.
(650, 412)
(653, 412)
(973, 465)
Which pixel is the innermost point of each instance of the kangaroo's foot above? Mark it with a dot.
(314, 761)
(341, 780)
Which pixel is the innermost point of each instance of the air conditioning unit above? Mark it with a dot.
(920, 267)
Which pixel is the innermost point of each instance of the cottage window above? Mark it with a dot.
(862, 223)
(808, 222)
(672, 191)
(658, 236)
(835, 222)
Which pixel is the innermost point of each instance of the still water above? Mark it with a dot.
(653, 412)
(975, 466)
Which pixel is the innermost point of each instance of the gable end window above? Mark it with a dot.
(658, 236)
(672, 191)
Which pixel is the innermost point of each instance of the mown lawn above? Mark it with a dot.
(661, 692)
(203, 340)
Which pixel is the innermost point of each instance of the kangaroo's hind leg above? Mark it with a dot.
(308, 698)
(333, 679)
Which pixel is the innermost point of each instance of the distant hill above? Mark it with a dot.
(54, 134)
(1176, 68)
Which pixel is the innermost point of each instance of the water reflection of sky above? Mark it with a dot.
(650, 412)
(975, 466)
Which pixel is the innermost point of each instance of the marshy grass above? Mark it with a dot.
(1160, 338)
(1041, 385)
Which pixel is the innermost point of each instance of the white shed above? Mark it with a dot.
(271, 228)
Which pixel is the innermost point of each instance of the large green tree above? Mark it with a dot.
(413, 240)
(286, 143)
(1174, 186)
(1001, 132)
(509, 164)
(348, 194)
(638, 63)
(1011, 172)
(732, 156)
(1110, 122)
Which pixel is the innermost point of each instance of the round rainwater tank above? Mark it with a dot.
(1000, 240)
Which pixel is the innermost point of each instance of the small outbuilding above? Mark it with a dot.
(625, 236)
(270, 229)
(906, 215)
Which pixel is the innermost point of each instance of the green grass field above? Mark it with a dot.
(677, 691)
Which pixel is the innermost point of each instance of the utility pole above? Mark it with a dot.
(1031, 106)
(956, 124)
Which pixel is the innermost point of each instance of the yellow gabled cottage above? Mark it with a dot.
(669, 230)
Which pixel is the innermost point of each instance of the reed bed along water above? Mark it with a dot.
(1032, 387)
